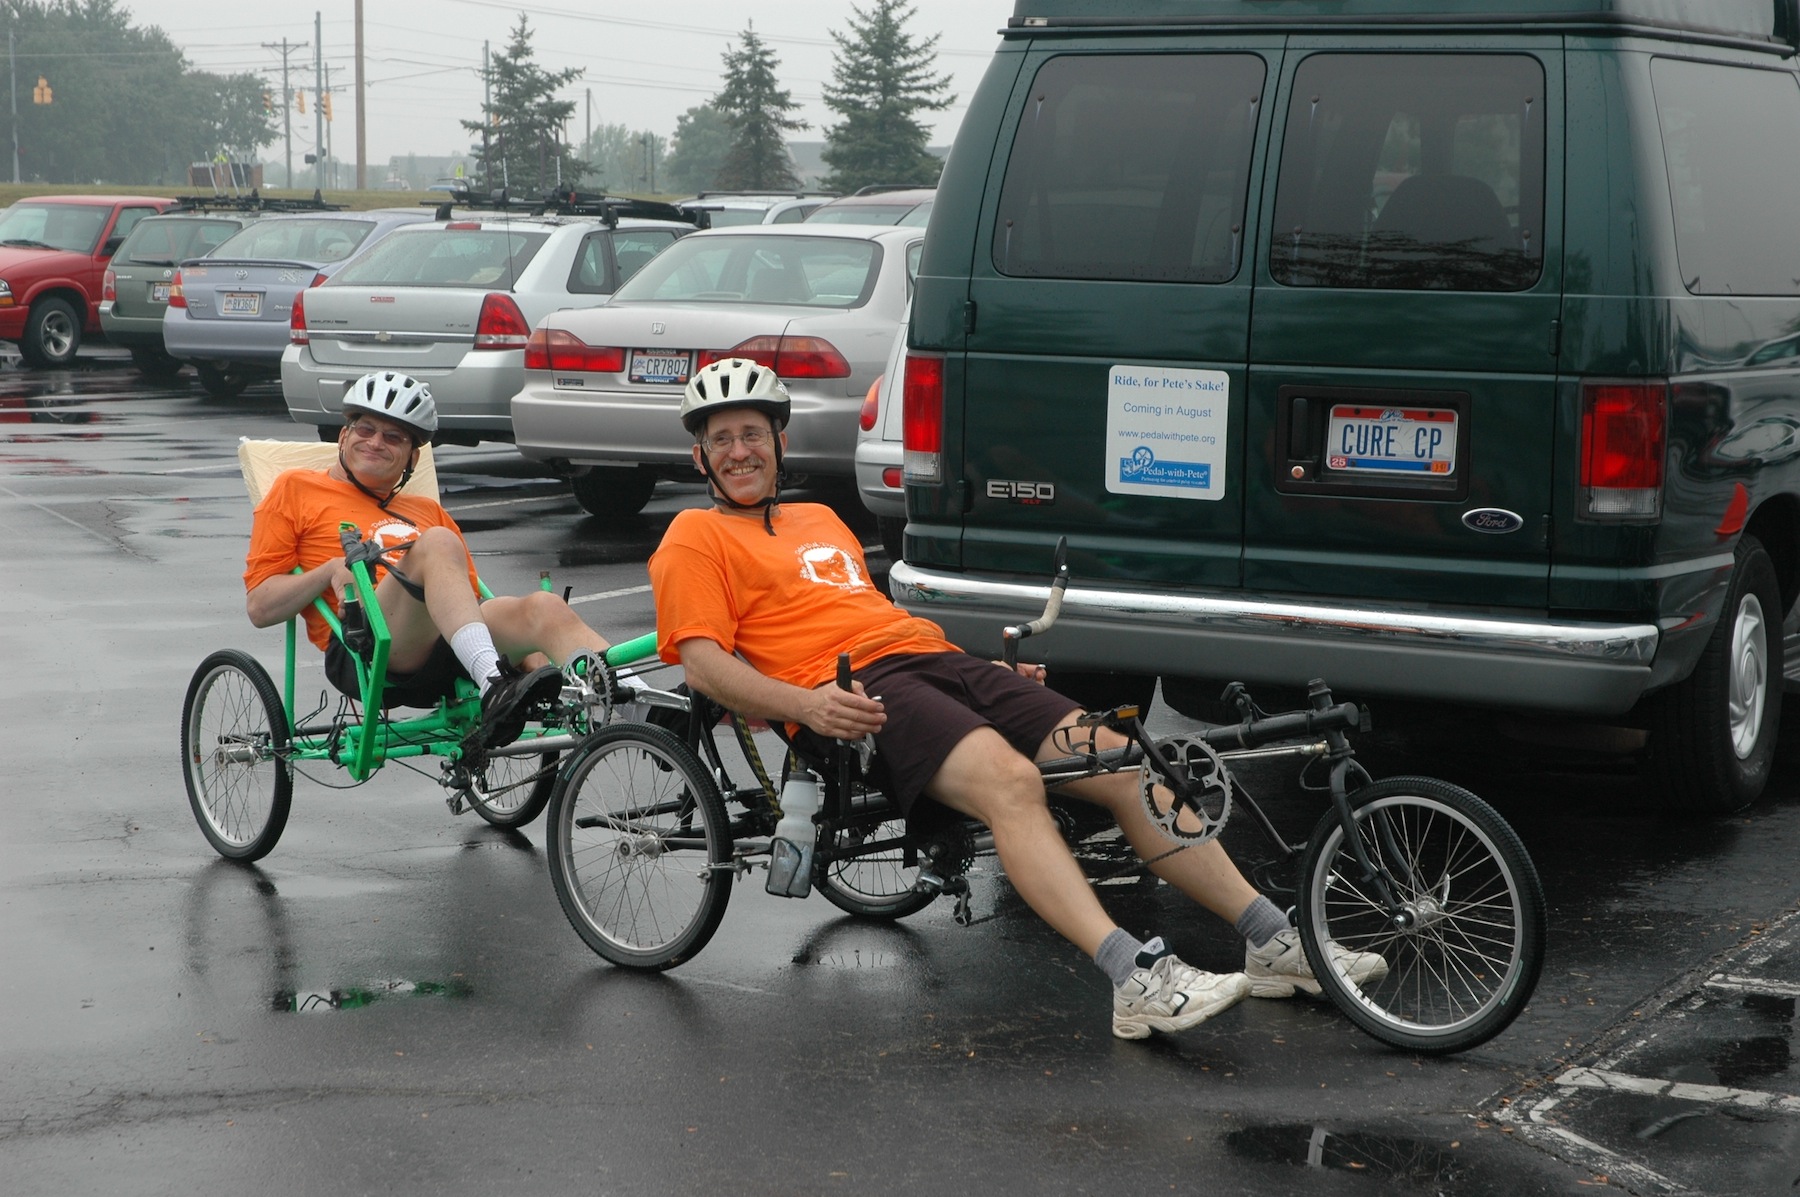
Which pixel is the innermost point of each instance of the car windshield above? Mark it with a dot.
(299, 240)
(862, 214)
(74, 227)
(826, 272)
(445, 257)
(166, 240)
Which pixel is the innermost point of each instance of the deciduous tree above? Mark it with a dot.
(698, 149)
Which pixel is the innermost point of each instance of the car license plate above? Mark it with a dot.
(159, 293)
(240, 303)
(1391, 440)
(648, 366)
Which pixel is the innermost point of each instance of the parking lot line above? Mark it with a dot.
(1622, 1082)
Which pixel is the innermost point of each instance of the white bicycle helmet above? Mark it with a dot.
(734, 382)
(400, 397)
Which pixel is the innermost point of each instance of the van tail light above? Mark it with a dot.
(1623, 439)
(297, 334)
(871, 408)
(559, 349)
(501, 324)
(789, 357)
(922, 418)
(109, 287)
(177, 298)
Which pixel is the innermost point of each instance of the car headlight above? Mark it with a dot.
(5, 293)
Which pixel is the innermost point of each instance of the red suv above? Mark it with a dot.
(53, 255)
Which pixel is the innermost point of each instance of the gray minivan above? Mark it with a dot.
(1440, 353)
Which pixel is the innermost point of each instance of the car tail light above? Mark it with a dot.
(922, 418)
(559, 349)
(1622, 445)
(297, 334)
(109, 287)
(501, 324)
(789, 357)
(871, 408)
(177, 299)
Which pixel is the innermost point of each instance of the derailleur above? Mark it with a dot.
(946, 857)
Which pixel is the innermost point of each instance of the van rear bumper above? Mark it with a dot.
(1540, 664)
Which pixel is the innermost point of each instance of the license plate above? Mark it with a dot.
(647, 366)
(1391, 440)
(159, 293)
(240, 303)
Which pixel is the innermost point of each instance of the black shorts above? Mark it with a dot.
(933, 701)
(423, 687)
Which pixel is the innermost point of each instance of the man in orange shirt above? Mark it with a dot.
(425, 581)
(756, 599)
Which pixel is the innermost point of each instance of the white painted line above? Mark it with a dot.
(607, 594)
(1590, 1155)
(100, 536)
(543, 498)
(1620, 1082)
(1736, 984)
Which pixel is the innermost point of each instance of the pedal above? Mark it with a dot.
(962, 916)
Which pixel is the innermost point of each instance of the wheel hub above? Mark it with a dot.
(635, 847)
(1748, 680)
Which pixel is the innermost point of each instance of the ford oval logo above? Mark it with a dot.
(1493, 520)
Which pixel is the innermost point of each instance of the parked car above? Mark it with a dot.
(818, 306)
(451, 303)
(908, 206)
(1389, 343)
(727, 208)
(229, 312)
(134, 291)
(53, 255)
(879, 452)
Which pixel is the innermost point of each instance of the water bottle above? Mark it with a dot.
(791, 852)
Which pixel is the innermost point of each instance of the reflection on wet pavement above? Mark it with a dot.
(316, 1001)
(1386, 1159)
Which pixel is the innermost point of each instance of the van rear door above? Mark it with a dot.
(1401, 418)
(1104, 375)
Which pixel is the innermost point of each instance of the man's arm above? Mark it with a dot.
(829, 711)
(286, 595)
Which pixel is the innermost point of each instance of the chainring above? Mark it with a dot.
(1188, 757)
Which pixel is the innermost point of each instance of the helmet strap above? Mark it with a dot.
(380, 502)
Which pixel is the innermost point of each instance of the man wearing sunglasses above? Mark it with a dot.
(426, 584)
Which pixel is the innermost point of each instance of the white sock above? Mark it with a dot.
(474, 647)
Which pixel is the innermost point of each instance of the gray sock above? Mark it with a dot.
(1117, 956)
(1261, 921)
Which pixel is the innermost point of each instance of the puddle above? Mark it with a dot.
(1387, 1160)
(324, 1001)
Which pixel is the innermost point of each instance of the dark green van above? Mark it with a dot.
(1441, 350)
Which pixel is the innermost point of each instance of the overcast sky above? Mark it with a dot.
(644, 64)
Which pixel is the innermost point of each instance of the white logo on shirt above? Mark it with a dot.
(830, 565)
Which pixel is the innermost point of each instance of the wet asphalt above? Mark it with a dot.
(393, 1002)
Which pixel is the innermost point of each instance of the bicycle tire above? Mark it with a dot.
(639, 847)
(511, 791)
(233, 734)
(1471, 960)
(879, 885)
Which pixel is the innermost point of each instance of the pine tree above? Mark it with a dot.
(758, 159)
(523, 150)
(881, 77)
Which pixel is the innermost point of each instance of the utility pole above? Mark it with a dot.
(324, 106)
(318, 95)
(362, 145)
(12, 83)
(487, 117)
(587, 142)
(287, 107)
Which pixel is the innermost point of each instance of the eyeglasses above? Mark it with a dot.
(753, 438)
(363, 430)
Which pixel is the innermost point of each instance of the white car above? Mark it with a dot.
(818, 305)
(880, 451)
(727, 208)
(451, 303)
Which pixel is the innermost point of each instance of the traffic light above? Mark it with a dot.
(325, 104)
(300, 102)
(268, 100)
(41, 93)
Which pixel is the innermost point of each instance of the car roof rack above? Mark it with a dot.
(254, 201)
(570, 202)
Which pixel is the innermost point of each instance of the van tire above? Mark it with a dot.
(52, 334)
(609, 491)
(1713, 735)
(155, 364)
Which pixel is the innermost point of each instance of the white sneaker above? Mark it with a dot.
(1172, 996)
(1280, 966)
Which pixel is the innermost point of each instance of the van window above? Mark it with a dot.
(1732, 184)
(1412, 171)
(1131, 167)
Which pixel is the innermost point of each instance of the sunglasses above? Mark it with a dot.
(363, 430)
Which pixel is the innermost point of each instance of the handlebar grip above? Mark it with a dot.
(843, 671)
(1250, 733)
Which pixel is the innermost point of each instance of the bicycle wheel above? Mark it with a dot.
(878, 885)
(233, 737)
(511, 791)
(1469, 959)
(639, 847)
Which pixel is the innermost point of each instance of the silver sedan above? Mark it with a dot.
(819, 306)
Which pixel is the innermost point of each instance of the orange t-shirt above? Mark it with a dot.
(296, 524)
(788, 603)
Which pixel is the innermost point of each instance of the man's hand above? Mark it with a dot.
(1028, 671)
(840, 714)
